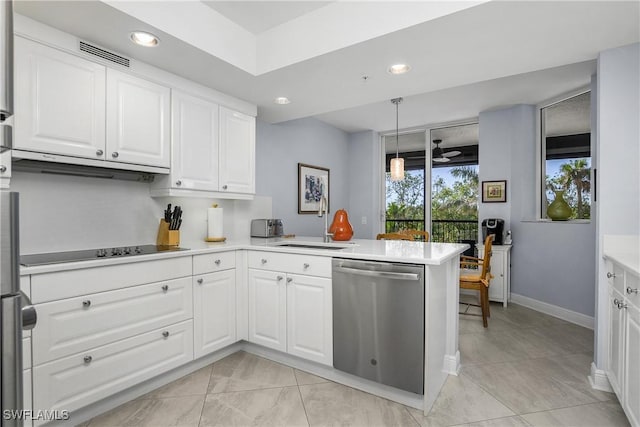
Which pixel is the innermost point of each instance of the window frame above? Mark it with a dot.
(541, 152)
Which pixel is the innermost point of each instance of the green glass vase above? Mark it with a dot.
(559, 209)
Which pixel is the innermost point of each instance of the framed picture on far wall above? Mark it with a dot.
(494, 191)
(313, 183)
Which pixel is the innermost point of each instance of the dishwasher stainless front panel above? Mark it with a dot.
(378, 322)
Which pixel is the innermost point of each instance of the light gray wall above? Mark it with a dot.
(62, 213)
(279, 149)
(364, 184)
(618, 164)
(550, 262)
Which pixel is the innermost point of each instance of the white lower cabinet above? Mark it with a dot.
(291, 312)
(84, 378)
(214, 311)
(623, 370)
(27, 402)
(500, 285)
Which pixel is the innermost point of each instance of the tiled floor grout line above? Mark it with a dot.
(406, 408)
(490, 394)
(204, 402)
(304, 407)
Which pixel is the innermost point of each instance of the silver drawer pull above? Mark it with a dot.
(165, 334)
(279, 278)
(289, 280)
(3, 169)
(616, 302)
(86, 303)
(99, 152)
(224, 187)
(165, 288)
(632, 291)
(305, 266)
(88, 359)
(611, 275)
(263, 261)
(621, 305)
(200, 281)
(216, 262)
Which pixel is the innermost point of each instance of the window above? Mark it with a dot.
(566, 153)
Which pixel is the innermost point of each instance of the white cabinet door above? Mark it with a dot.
(497, 284)
(5, 168)
(138, 123)
(59, 102)
(27, 402)
(616, 342)
(309, 318)
(214, 311)
(632, 365)
(237, 152)
(268, 309)
(194, 147)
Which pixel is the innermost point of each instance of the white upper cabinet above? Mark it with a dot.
(137, 120)
(194, 148)
(237, 152)
(60, 102)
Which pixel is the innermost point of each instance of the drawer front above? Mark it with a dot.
(210, 263)
(68, 284)
(84, 378)
(291, 263)
(615, 274)
(77, 324)
(632, 288)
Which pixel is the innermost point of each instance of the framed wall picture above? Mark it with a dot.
(313, 183)
(494, 191)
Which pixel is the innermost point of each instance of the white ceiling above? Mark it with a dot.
(476, 58)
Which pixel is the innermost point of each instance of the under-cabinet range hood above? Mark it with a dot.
(37, 166)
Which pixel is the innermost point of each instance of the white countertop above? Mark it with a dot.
(624, 250)
(377, 250)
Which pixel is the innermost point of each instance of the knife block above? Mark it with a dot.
(167, 237)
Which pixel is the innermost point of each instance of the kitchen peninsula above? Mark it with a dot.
(172, 313)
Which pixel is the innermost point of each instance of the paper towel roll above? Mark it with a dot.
(214, 223)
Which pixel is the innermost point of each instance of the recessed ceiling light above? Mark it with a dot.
(144, 39)
(399, 68)
(282, 100)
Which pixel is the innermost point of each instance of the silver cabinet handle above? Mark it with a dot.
(200, 281)
(305, 266)
(263, 261)
(616, 302)
(611, 275)
(384, 274)
(224, 187)
(99, 152)
(88, 359)
(3, 168)
(115, 154)
(632, 291)
(165, 288)
(165, 334)
(178, 183)
(289, 280)
(86, 303)
(621, 305)
(217, 262)
(279, 278)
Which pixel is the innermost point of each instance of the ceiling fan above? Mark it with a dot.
(439, 156)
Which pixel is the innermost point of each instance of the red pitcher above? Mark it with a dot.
(340, 226)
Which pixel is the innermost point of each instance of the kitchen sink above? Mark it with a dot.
(330, 246)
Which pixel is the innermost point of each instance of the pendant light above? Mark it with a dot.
(397, 164)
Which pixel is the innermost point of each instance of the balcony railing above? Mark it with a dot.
(442, 230)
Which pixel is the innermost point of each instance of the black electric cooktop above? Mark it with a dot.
(89, 254)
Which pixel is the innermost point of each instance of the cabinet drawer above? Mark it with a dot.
(68, 284)
(76, 324)
(632, 288)
(615, 274)
(209, 263)
(291, 263)
(84, 378)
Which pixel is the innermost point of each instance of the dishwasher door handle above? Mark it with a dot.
(373, 273)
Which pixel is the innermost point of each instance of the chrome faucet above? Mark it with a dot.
(324, 210)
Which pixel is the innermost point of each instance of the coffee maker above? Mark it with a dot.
(493, 226)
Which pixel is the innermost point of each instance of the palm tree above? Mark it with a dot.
(577, 172)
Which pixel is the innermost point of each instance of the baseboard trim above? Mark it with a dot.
(554, 310)
(598, 379)
(452, 364)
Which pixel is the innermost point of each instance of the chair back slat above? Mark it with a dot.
(486, 263)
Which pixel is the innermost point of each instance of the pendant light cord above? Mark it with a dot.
(397, 141)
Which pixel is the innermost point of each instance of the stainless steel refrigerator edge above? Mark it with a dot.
(14, 305)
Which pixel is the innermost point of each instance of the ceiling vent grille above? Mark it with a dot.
(104, 54)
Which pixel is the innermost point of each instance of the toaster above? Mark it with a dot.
(267, 227)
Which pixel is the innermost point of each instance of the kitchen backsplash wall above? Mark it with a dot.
(59, 213)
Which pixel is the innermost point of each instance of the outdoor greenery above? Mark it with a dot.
(574, 177)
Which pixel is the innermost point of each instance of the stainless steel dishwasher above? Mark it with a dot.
(378, 322)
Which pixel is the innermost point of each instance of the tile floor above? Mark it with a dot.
(526, 369)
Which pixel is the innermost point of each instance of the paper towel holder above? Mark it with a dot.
(215, 239)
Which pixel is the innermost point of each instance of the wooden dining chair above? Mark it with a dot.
(416, 234)
(393, 236)
(475, 274)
